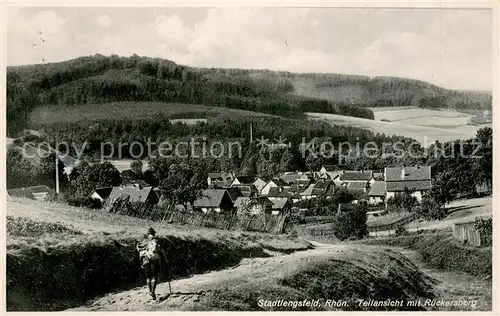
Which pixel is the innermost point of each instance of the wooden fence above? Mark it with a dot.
(387, 227)
(467, 232)
(229, 221)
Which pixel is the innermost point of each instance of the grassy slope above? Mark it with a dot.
(121, 110)
(336, 272)
(60, 256)
(440, 250)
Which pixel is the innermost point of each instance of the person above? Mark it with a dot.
(151, 256)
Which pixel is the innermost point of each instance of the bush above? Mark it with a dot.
(430, 209)
(485, 228)
(401, 231)
(351, 224)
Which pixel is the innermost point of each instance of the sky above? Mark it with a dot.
(448, 47)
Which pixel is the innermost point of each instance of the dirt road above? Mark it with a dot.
(188, 291)
(460, 211)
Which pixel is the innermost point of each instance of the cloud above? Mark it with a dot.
(103, 20)
(452, 48)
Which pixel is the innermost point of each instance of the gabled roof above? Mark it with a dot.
(309, 190)
(211, 198)
(29, 192)
(400, 186)
(39, 189)
(291, 177)
(20, 192)
(241, 201)
(133, 193)
(356, 175)
(356, 186)
(321, 187)
(103, 192)
(408, 173)
(331, 168)
(221, 176)
(234, 193)
(377, 189)
(277, 192)
(279, 204)
(246, 179)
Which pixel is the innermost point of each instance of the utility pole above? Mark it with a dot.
(57, 173)
(251, 134)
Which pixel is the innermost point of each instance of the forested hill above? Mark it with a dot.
(101, 79)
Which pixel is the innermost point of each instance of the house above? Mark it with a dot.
(364, 176)
(133, 200)
(308, 193)
(377, 193)
(330, 172)
(274, 183)
(296, 178)
(101, 194)
(357, 187)
(280, 206)
(234, 193)
(253, 206)
(248, 190)
(324, 188)
(220, 179)
(214, 200)
(259, 183)
(243, 180)
(39, 192)
(416, 179)
(278, 193)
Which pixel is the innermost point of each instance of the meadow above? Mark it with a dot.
(125, 110)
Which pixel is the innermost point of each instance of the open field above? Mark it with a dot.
(424, 134)
(129, 110)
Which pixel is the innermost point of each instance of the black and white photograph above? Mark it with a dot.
(249, 158)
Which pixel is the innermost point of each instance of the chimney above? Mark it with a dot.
(402, 173)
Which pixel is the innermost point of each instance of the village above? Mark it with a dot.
(229, 193)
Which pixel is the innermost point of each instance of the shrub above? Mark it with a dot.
(351, 224)
(485, 228)
(430, 209)
(401, 231)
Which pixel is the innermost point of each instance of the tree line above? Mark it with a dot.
(100, 79)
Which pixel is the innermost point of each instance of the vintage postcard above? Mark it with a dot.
(249, 158)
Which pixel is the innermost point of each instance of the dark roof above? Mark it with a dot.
(234, 193)
(221, 176)
(29, 192)
(331, 168)
(356, 175)
(410, 173)
(211, 198)
(104, 192)
(277, 192)
(356, 185)
(400, 186)
(39, 189)
(20, 192)
(246, 179)
(279, 204)
(377, 189)
(133, 193)
(322, 187)
(280, 182)
(292, 177)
